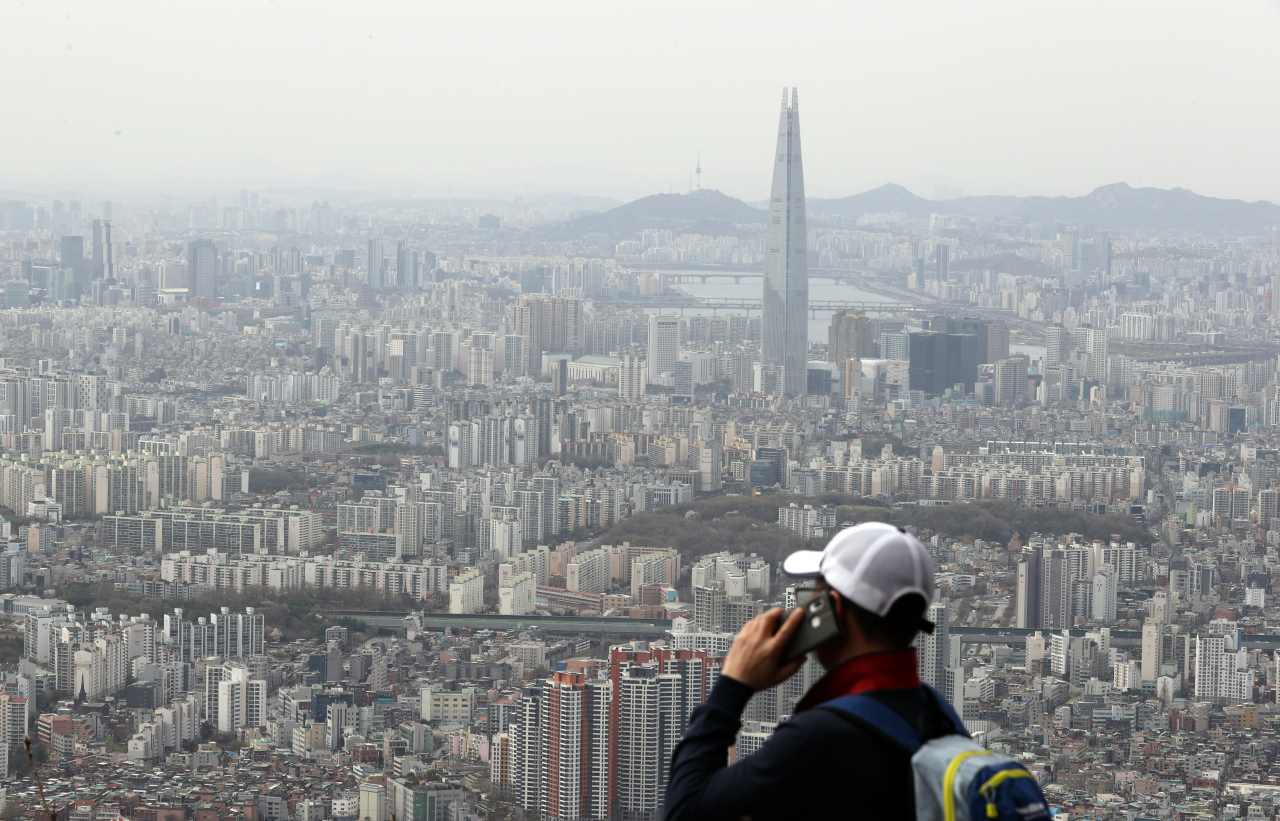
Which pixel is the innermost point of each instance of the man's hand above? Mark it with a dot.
(755, 657)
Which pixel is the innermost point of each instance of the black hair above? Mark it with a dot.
(898, 627)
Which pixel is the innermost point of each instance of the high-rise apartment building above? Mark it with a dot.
(1268, 508)
(1103, 600)
(406, 266)
(649, 727)
(202, 269)
(239, 635)
(632, 377)
(575, 745)
(1027, 609)
(1055, 590)
(786, 263)
(377, 264)
(549, 324)
(1011, 379)
(849, 336)
(933, 649)
(1092, 342)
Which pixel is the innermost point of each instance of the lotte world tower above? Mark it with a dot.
(785, 318)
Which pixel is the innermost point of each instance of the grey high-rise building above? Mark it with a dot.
(72, 256)
(406, 266)
(377, 265)
(108, 252)
(99, 255)
(1029, 612)
(786, 262)
(202, 268)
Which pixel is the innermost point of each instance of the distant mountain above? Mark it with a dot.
(882, 200)
(698, 212)
(1118, 207)
(1123, 207)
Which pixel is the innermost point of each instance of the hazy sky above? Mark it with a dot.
(617, 98)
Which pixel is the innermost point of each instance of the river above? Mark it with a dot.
(818, 290)
(751, 288)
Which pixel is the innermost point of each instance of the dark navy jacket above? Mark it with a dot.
(818, 765)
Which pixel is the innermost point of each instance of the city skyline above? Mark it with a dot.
(1173, 75)
(349, 472)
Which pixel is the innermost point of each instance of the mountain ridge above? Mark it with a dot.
(1117, 206)
(704, 211)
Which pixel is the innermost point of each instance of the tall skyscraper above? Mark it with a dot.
(377, 265)
(202, 267)
(786, 263)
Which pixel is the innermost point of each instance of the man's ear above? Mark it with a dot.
(843, 613)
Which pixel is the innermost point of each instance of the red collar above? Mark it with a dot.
(861, 674)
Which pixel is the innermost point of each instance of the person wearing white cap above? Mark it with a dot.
(822, 761)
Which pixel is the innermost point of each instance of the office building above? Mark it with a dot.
(997, 341)
(1057, 345)
(785, 313)
(664, 344)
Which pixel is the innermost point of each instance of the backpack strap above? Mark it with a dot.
(877, 719)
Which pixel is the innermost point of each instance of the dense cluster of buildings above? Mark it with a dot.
(459, 413)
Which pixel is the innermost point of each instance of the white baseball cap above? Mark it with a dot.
(872, 565)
